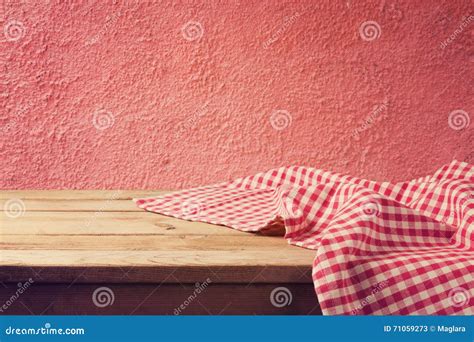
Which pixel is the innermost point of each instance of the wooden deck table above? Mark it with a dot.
(95, 252)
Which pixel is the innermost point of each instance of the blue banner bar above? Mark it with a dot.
(237, 328)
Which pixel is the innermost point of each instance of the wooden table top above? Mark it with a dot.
(102, 237)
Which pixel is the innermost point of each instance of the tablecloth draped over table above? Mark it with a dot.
(381, 248)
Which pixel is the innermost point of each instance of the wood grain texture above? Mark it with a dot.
(160, 299)
(106, 223)
(242, 275)
(78, 200)
(78, 205)
(158, 243)
(69, 242)
(243, 267)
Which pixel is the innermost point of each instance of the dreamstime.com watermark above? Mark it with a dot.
(103, 296)
(191, 209)
(21, 289)
(199, 288)
(293, 204)
(466, 198)
(379, 109)
(458, 120)
(464, 23)
(459, 297)
(103, 119)
(20, 112)
(370, 298)
(108, 24)
(370, 30)
(287, 22)
(46, 330)
(280, 119)
(14, 30)
(280, 297)
(192, 30)
(102, 208)
(192, 120)
(371, 208)
(14, 208)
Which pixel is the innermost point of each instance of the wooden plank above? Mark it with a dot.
(170, 258)
(106, 223)
(240, 243)
(151, 274)
(159, 299)
(76, 205)
(78, 200)
(156, 266)
(102, 240)
(79, 194)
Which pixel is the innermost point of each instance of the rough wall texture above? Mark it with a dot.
(170, 95)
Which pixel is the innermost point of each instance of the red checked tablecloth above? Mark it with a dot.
(381, 248)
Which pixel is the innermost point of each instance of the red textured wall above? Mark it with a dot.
(170, 95)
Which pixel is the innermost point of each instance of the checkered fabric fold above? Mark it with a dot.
(380, 248)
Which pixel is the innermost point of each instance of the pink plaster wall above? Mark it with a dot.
(177, 109)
